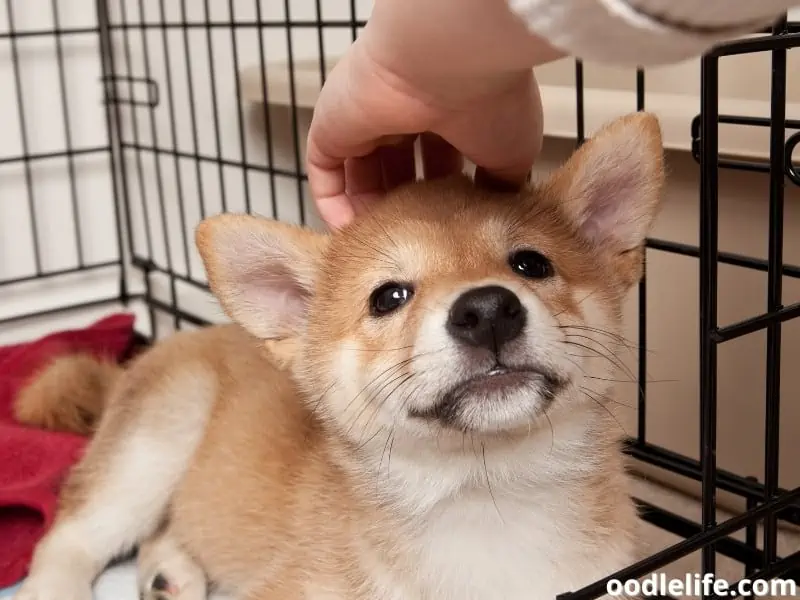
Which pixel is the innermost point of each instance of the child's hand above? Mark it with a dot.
(385, 91)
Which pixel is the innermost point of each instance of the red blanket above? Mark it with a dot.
(33, 463)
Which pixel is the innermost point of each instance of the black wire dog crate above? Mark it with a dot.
(124, 122)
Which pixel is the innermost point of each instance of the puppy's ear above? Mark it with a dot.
(611, 187)
(261, 271)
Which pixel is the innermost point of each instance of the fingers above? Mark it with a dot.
(337, 211)
(342, 188)
(339, 153)
(344, 191)
(348, 165)
(327, 179)
(327, 188)
(358, 148)
(368, 178)
(357, 143)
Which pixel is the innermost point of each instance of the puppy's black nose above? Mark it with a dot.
(487, 317)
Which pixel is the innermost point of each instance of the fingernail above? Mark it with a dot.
(338, 218)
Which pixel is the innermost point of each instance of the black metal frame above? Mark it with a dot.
(118, 31)
(765, 501)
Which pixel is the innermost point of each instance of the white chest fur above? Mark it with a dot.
(510, 532)
(466, 551)
(532, 552)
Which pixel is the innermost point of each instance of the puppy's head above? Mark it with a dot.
(448, 308)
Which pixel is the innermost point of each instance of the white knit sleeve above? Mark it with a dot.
(644, 32)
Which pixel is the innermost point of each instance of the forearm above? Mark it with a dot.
(460, 44)
(470, 38)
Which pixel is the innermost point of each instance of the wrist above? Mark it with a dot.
(463, 47)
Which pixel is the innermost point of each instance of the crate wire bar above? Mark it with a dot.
(171, 160)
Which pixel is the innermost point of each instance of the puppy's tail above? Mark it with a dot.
(69, 394)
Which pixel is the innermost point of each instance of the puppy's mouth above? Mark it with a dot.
(496, 379)
(496, 384)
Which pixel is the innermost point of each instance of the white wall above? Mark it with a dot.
(51, 195)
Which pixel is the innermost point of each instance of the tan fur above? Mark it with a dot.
(67, 395)
(282, 455)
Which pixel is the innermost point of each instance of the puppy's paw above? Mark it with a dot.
(160, 587)
(54, 585)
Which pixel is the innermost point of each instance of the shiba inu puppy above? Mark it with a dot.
(408, 408)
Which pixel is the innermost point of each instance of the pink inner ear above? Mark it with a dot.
(612, 210)
(262, 274)
(273, 290)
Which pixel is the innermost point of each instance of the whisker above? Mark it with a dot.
(386, 232)
(648, 381)
(390, 265)
(581, 301)
(366, 257)
(316, 403)
(608, 398)
(378, 349)
(364, 444)
(598, 354)
(389, 460)
(385, 446)
(370, 402)
(489, 482)
(377, 406)
(386, 372)
(610, 334)
(616, 361)
(386, 398)
(605, 408)
(390, 439)
(375, 249)
(580, 355)
(552, 433)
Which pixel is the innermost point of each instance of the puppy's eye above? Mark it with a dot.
(531, 264)
(389, 297)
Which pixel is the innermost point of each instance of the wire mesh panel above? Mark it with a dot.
(58, 219)
(766, 503)
(712, 333)
(212, 100)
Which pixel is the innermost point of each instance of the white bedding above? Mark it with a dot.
(116, 583)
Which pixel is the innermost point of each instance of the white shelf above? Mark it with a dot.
(675, 111)
(306, 80)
